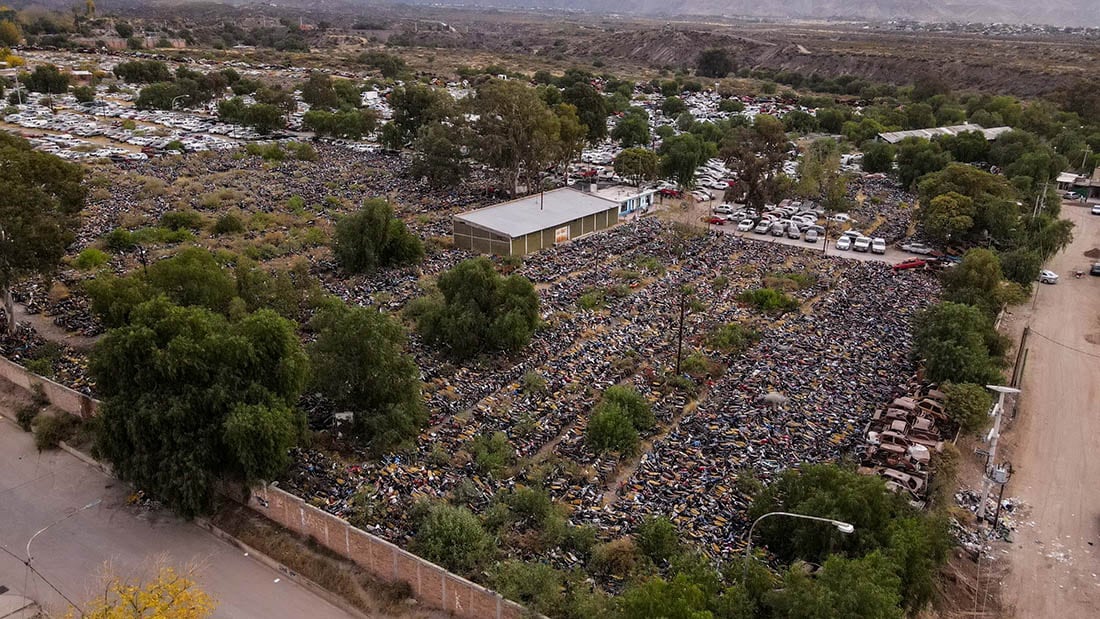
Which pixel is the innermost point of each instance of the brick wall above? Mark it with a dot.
(431, 584)
(60, 396)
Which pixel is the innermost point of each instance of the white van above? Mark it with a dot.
(878, 246)
(862, 243)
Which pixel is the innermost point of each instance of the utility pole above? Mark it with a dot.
(993, 474)
(680, 340)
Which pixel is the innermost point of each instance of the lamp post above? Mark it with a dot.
(59, 520)
(992, 473)
(843, 527)
(177, 98)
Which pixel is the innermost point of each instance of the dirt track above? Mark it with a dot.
(1055, 556)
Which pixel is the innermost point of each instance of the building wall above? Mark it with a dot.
(485, 242)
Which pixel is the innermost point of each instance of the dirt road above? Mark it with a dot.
(1055, 556)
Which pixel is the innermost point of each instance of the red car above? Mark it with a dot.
(912, 263)
(717, 221)
(671, 193)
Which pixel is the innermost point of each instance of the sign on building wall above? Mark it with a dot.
(561, 235)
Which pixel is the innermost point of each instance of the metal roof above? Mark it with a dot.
(537, 212)
(894, 137)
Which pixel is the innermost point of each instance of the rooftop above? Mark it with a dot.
(894, 137)
(618, 193)
(537, 212)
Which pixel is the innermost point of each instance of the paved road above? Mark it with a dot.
(38, 489)
(1055, 557)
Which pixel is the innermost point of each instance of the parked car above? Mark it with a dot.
(779, 229)
(723, 209)
(878, 246)
(811, 236)
(1095, 209)
(762, 227)
(852, 235)
(793, 232)
(745, 225)
(1048, 277)
(844, 243)
(915, 247)
(912, 263)
(862, 243)
(841, 218)
(715, 220)
(1095, 270)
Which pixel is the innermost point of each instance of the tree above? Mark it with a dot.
(124, 30)
(828, 491)
(878, 157)
(171, 595)
(40, 198)
(591, 108)
(714, 62)
(350, 124)
(967, 147)
(866, 587)
(453, 538)
(10, 34)
(755, 153)
(190, 397)
(415, 105)
(46, 78)
(958, 344)
(360, 365)
(656, 597)
(572, 135)
(492, 453)
(319, 93)
(159, 96)
(389, 65)
(1021, 265)
(478, 311)
(143, 72)
(84, 94)
(977, 281)
(637, 165)
(968, 405)
(673, 106)
(519, 134)
(372, 238)
(439, 156)
(264, 118)
(917, 157)
(949, 218)
(681, 155)
(819, 175)
(633, 128)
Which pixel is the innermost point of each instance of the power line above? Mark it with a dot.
(1074, 349)
(39, 574)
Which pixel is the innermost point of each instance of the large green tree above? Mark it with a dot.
(681, 155)
(957, 343)
(637, 165)
(415, 105)
(878, 157)
(519, 135)
(190, 398)
(756, 153)
(439, 157)
(40, 198)
(591, 108)
(372, 238)
(632, 128)
(360, 365)
(917, 157)
(478, 311)
(714, 62)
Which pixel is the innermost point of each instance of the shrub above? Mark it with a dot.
(658, 539)
(228, 224)
(453, 538)
(533, 383)
(181, 220)
(26, 415)
(968, 405)
(615, 558)
(768, 300)
(120, 239)
(492, 453)
(733, 338)
(610, 429)
(90, 258)
(50, 430)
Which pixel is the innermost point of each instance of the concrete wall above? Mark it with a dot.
(60, 396)
(431, 584)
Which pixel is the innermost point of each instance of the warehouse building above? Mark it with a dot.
(534, 222)
(894, 137)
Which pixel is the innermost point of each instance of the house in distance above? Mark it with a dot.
(541, 220)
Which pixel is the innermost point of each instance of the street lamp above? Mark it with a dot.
(843, 527)
(177, 98)
(59, 520)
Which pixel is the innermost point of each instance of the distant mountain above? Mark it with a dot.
(1056, 12)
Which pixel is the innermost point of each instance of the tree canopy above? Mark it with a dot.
(957, 343)
(478, 311)
(190, 397)
(360, 365)
(714, 62)
(372, 238)
(637, 165)
(40, 198)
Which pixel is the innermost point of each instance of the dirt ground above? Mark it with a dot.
(1054, 557)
